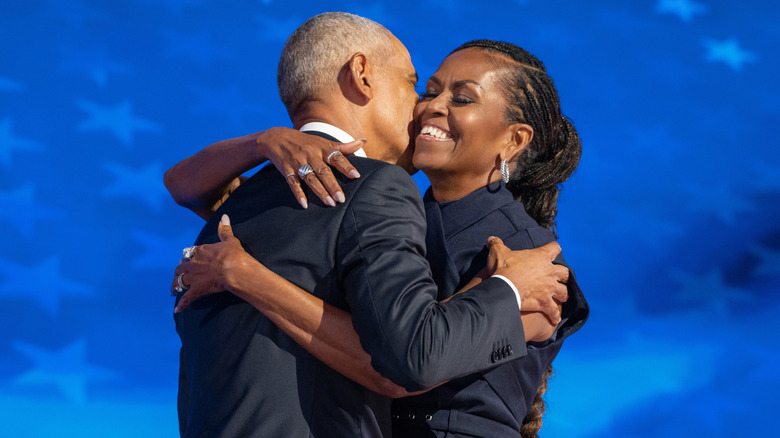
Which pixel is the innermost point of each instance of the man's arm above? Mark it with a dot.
(413, 339)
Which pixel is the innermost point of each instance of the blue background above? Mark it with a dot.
(671, 220)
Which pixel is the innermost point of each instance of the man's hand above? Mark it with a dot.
(207, 271)
(289, 149)
(540, 283)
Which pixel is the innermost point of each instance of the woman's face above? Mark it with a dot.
(461, 128)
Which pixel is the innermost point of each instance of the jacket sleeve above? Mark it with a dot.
(414, 340)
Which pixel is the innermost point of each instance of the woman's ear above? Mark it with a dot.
(520, 138)
(356, 79)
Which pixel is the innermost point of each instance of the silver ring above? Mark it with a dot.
(332, 154)
(289, 175)
(188, 252)
(181, 287)
(304, 170)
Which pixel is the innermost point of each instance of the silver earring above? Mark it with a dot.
(504, 171)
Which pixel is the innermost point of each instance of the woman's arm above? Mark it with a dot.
(323, 330)
(204, 180)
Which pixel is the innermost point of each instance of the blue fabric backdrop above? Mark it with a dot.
(671, 220)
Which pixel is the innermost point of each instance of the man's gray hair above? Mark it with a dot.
(315, 53)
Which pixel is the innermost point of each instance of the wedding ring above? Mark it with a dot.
(331, 155)
(289, 175)
(188, 252)
(304, 170)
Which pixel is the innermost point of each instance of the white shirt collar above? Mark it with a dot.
(334, 132)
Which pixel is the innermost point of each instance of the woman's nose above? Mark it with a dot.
(437, 105)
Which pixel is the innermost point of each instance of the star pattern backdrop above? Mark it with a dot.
(671, 220)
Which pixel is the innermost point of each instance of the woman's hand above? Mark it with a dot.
(536, 327)
(208, 270)
(289, 149)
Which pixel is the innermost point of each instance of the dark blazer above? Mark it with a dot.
(241, 376)
(494, 402)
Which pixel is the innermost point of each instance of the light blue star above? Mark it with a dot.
(68, 369)
(685, 9)
(118, 120)
(769, 262)
(21, 210)
(145, 184)
(728, 52)
(10, 142)
(7, 84)
(42, 282)
(708, 290)
(161, 251)
(95, 62)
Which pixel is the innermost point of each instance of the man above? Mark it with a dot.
(340, 76)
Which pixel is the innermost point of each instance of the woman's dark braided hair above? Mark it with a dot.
(555, 149)
(546, 162)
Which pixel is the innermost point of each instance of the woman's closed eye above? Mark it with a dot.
(457, 100)
(462, 100)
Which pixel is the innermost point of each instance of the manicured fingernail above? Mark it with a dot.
(329, 201)
(176, 310)
(303, 203)
(340, 197)
(354, 174)
(225, 220)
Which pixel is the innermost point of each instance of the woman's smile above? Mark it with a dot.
(431, 132)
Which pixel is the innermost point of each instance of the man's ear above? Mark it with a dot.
(356, 79)
(520, 136)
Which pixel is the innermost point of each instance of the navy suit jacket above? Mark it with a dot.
(494, 402)
(241, 376)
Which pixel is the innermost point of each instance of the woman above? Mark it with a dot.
(489, 131)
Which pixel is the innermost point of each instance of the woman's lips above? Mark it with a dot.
(431, 131)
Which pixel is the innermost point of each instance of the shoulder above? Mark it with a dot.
(527, 233)
(380, 179)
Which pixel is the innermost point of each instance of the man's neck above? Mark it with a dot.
(332, 112)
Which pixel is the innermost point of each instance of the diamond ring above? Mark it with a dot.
(188, 252)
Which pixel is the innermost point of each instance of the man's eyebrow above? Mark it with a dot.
(414, 78)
